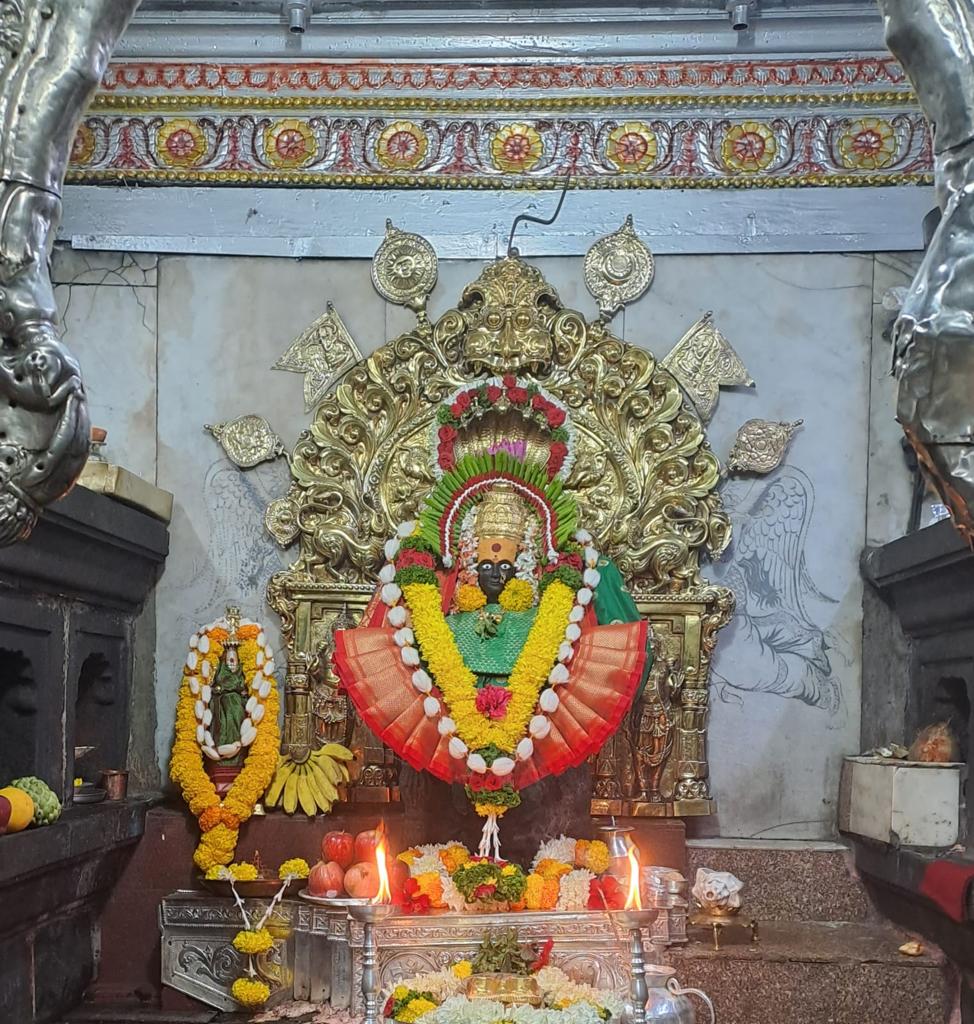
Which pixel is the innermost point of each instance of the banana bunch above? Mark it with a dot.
(311, 785)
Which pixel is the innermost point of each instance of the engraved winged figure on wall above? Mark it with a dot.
(776, 646)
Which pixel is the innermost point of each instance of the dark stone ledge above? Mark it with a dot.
(80, 854)
(91, 547)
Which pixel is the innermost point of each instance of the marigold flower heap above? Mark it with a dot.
(220, 820)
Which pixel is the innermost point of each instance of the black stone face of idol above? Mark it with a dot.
(493, 577)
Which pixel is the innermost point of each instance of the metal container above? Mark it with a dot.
(668, 1001)
(115, 783)
(618, 838)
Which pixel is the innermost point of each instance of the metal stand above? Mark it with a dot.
(370, 914)
(634, 921)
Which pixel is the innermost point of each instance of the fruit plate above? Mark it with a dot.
(334, 901)
(257, 888)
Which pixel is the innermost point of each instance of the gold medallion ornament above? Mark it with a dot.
(618, 269)
(404, 269)
(703, 361)
(760, 445)
(281, 521)
(247, 440)
(322, 353)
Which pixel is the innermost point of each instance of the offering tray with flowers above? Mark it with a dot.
(504, 980)
(253, 880)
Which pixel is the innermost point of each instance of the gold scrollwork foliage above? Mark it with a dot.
(644, 475)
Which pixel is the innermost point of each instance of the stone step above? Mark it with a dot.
(787, 880)
(818, 972)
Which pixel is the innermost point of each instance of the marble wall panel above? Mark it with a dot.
(224, 321)
(107, 305)
(786, 694)
(890, 481)
(786, 685)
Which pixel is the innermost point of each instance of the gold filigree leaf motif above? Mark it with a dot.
(760, 445)
(644, 475)
(618, 269)
(247, 440)
(322, 353)
(703, 361)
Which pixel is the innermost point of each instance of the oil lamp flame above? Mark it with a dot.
(384, 895)
(633, 900)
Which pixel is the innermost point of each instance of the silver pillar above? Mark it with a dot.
(934, 333)
(52, 56)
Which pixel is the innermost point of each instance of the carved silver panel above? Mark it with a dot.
(198, 957)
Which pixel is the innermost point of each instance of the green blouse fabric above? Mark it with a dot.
(492, 658)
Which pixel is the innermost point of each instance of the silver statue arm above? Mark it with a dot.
(934, 333)
(53, 54)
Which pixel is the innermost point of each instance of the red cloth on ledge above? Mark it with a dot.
(945, 882)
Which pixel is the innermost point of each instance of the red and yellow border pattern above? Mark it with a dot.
(680, 124)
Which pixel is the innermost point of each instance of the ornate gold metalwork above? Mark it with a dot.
(404, 270)
(247, 440)
(322, 353)
(704, 362)
(760, 445)
(618, 269)
(281, 521)
(644, 476)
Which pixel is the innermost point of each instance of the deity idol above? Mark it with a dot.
(501, 646)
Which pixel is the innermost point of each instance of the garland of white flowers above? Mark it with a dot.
(201, 688)
(548, 700)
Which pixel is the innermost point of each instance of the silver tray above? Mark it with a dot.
(334, 901)
(88, 795)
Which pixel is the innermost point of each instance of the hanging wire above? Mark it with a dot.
(526, 218)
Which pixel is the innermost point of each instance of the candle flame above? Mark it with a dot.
(633, 899)
(384, 895)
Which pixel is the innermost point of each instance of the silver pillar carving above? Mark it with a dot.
(934, 333)
(52, 56)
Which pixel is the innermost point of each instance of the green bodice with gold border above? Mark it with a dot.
(492, 656)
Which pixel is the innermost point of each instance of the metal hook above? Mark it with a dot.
(526, 217)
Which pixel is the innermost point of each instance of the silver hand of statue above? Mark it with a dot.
(52, 56)
(934, 333)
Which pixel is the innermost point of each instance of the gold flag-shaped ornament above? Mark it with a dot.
(322, 352)
(703, 362)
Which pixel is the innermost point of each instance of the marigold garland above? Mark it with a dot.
(457, 683)
(517, 596)
(253, 942)
(470, 597)
(250, 993)
(220, 820)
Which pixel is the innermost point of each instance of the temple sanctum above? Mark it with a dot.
(486, 512)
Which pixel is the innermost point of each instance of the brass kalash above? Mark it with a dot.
(644, 478)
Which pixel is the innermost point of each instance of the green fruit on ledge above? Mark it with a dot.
(47, 807)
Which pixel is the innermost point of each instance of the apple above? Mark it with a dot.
(362, 881)
(326, 879)
(339, 847)
(365, 844)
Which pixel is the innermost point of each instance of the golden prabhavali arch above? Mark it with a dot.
(644, 476)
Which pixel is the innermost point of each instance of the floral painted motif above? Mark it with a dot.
(180, 142)
(749, 147)
(631, 146)
(868, 144)
(289, 143)
(516, 147)
(401, 146)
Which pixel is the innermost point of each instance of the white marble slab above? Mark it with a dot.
(223, 323)
(111, 328)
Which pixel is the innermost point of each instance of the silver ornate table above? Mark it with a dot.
(318, 957)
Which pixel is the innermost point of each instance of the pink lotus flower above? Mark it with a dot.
(492, 701)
